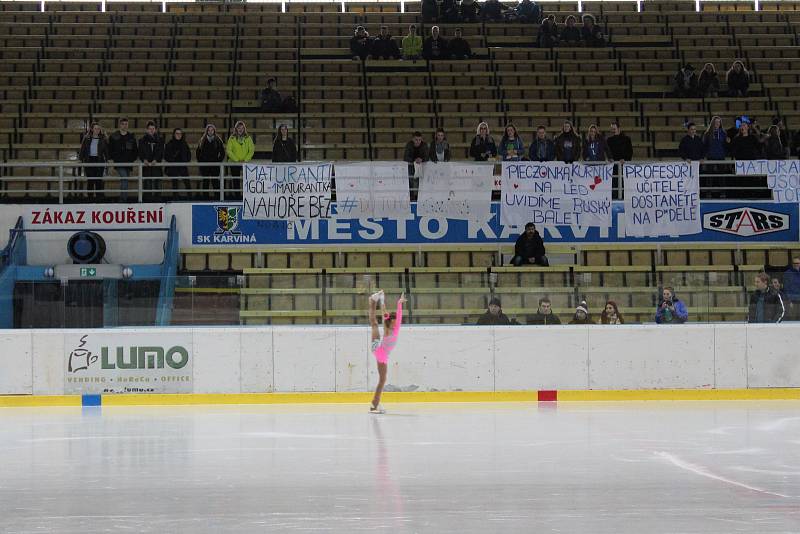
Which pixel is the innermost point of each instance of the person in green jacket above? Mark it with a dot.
(412, 44)
(240, 149)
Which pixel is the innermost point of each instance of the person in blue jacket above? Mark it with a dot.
(542, 148)
(671, 310)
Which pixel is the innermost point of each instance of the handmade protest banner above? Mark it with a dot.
(281, 192)
(456, 190)
(372, 190)
(662, 198)
(555, 193)
(783, 176)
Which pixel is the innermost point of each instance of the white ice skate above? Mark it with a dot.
(376, 409)
(377, 297)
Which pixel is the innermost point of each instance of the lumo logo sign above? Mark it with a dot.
(746, 221)
(134, 357)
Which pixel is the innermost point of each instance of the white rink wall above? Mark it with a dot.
(445, 358)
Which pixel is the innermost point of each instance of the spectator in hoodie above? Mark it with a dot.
(360, 43)
(435, 46)
(542, 148)
(746, 145)
(511, 146)
(738, 80)
(492, 11)
(766, 305)
(483, 146)
(177, 151)
(239, 149)
(671, 310)
(773, 147)
(283, 147)
(271, 100)
(527, 12)
(548, 33)
(440, 148)
(591, 34)
(568, 144)
(459, 47)
(582, 315)
(715, 140)
(570, 35)
(94, 150)
(611, 314)
(708, 84)
(383, 46)
(210, 149)
(416, 152)
(620, 147)
(791, 287)
(151, 152)
(494, 315)
(123, 148)
(595, 148)
(544, 315)
(684, 83)
(412, 44)
(691, 147)
(529, 248)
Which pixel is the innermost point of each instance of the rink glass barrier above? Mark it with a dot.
(443, 296)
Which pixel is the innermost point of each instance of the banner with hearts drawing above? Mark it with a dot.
(555, 193)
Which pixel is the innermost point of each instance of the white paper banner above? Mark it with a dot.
(456, 191)
(783, 176)
(555, 193)
(377, 189)
(662, 199)
(128, 362)
(292, 191)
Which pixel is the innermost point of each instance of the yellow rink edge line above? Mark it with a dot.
(141, 399)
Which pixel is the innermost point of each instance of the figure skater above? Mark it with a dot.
(382, 347)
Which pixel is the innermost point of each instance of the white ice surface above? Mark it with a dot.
(598, 468)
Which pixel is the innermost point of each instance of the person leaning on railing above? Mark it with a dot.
(94, 149)
(210, 149)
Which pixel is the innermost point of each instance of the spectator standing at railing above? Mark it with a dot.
(620, 147)
(440, 148)
(595, 148)
(151, 152)
(591, 34)
(459, 47)
(383, 46)
(177, 151)
(239, 149)
(412, 44)
(283, 147)
(494, 315)
(791, 287)
(716, 140)
(570, 35)
(210, 149)
(708, 84)
(123, 148)
(529, 248)
(766, 305)
(773, 147)
(746, 145)
(415, 153)
(94, 149)
(544, 314)
(568, 144)
(548, 33)
(671, 310)
(738, 79)
(691, 147)
(542, 148)
(511, 146)
(611, 314)
(435, 46)
(483, 146)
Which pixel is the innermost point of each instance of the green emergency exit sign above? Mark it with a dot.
(88, 272)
